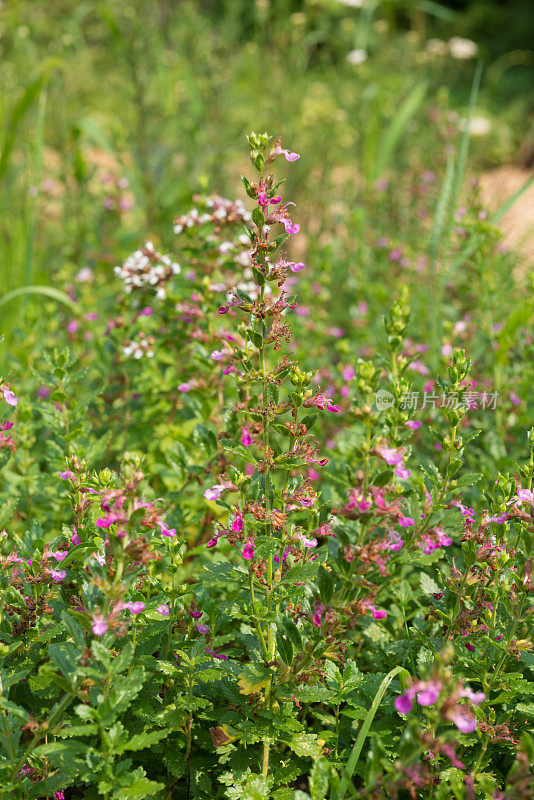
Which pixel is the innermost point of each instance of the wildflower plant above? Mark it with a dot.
(224, 578)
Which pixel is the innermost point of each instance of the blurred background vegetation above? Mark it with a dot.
(113, 114)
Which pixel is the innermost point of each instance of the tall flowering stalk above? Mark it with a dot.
(274, 517)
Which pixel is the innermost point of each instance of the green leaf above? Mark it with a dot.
(143, 740)
(319, 779)
(139, 789)
(239, 450)
(306, 744)
(348, 772)
(428, 584)
(258, 217)
(469, 479)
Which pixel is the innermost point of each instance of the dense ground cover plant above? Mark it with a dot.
(222, 579)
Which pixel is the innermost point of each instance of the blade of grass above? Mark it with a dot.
(396, 128)
(47, 291)
(21, 108)
(444, 221)
(507, 205)
(37, 169)
(348, 772)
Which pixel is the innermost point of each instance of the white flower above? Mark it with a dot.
(462, 48)
(478, 126)
(352, 3)
(356, 57)
(85, 275)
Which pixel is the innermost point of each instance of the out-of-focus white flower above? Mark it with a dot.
(478, 126)
(356, 57)
(352, 3)
(462, 48)
(85, 275)
(436, 47)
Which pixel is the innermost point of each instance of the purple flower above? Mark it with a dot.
(406, 522)
(430, 694)
(215, 492)
(166, 531)
(57, 574)
(202, 629)
(60, 555)
(99, 625)
(413, 424)
(136, 607)
(248, 550)
(465, 722)
(10, 398)
(499, 518)
(238, 524)
(475, 697)
(246, 438)
(163, 609)
(404, 702)
(220, 656)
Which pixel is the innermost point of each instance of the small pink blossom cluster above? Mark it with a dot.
(427, 693)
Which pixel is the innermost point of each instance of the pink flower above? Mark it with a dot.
(465, 722)
(288, 154)
(378, 613)
(218, 355)
(406, 522)
(402, 472)
(514, 399)
(215, 492)
(348, 373)
(73, 326)
(67, 475)
(107, 521)
(99, 625)
(430, 694)
(60, 555)
(248, 550)
(404, 702)
(136, 607)
(57, 574)
(163, 609)
(238, 523)
(394, 542)
(390, 455)
(308, 542)
(10, 398)
(75, 539)
(291, 227)
(166, 531)
(413, 424)
(296, 266)
(246, 438)
(59, 795)
(475, 697)
(499, 518)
